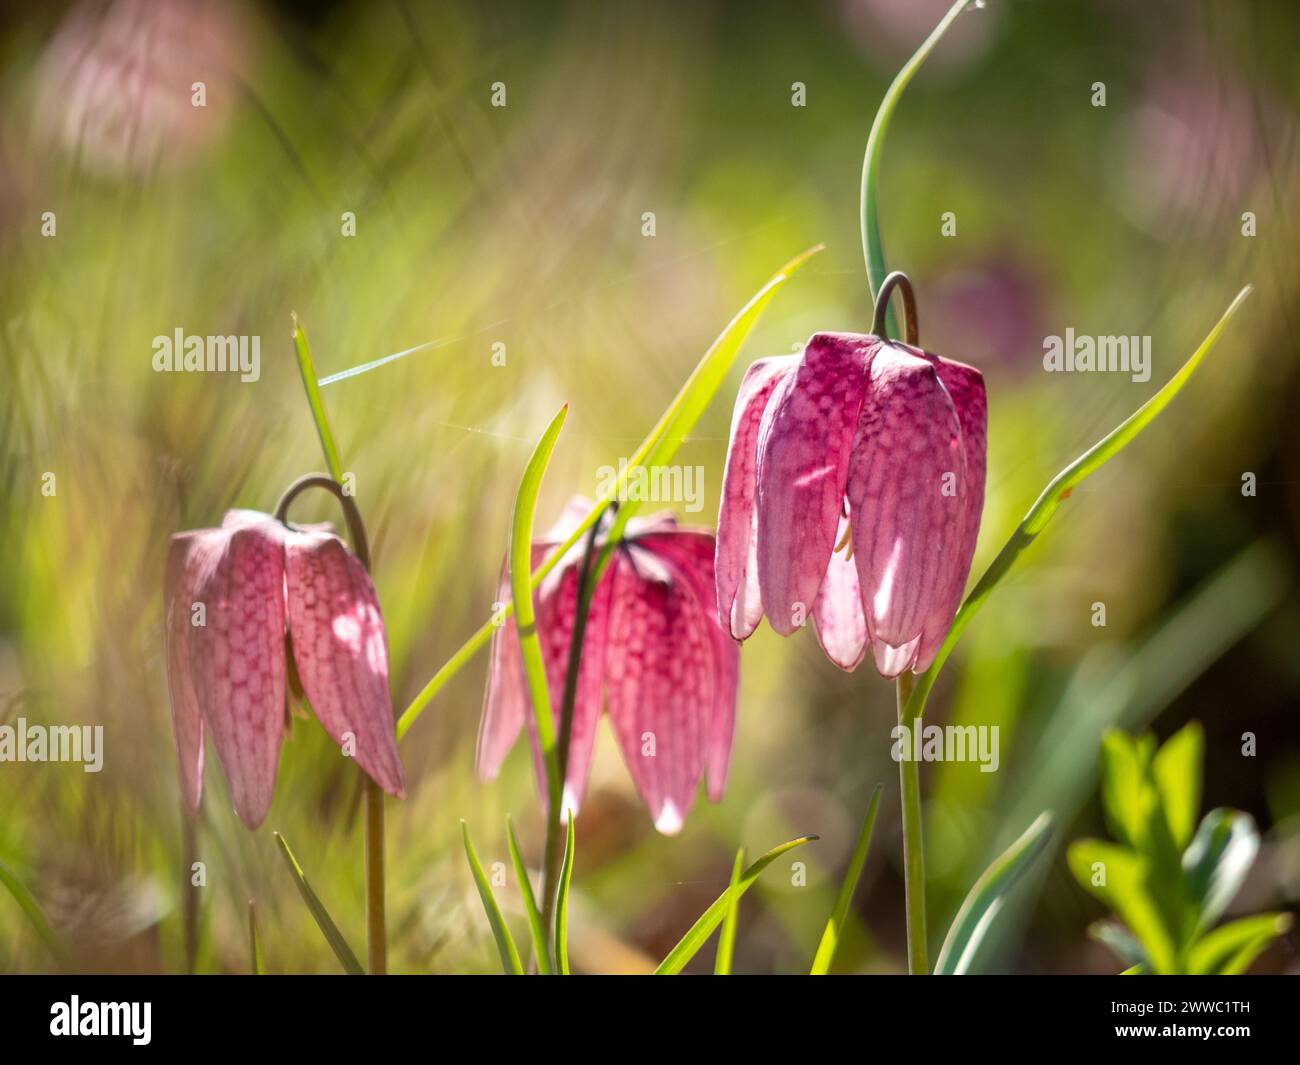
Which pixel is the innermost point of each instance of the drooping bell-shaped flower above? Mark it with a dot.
(852, 495)
(653, 654)
(239, 600)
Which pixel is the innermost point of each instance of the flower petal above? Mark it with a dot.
(505, 702)
(237, 660)
(803, 463)
(837, 615)
(907, 482)
(740, 607)
(186, 554)
(660, 688)
(965, 387)
(340, 649)
(691, 553)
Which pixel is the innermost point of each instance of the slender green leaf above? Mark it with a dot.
(1135, 970)
(688, 946)
(1056, 492)
(521, 556)
(324, 921)
(1177, 769)
(535, 928)
(510, 962)
(1216, 862)
(256, 965)
(32, 910)
(562, 904)
(307, 370)
(657, 449)
(873, 250)
(1120, 878)
(1229, 949)
(834, 927)
(987, 897)
(727, 937)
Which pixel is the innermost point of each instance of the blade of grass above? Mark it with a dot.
(1056, 492)
(32, 910)
(254, 943)
(688, 946)
(831, 936)
(986, 897)
(540, 950)
(727, 937)
(307, 369)
(323, 920)
(562, 904)
(657, 448)
(530, 646)
(500, 930)
(873, 250)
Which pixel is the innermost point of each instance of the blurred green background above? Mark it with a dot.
(479, 225)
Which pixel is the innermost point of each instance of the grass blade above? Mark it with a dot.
(700, 931)
(530, 646)
(500, 931)
(831, 936)
(657, 448)
(727, 937)
(976, 915)
(323, 920)
(873, 250)
(307, 370)
(562, 905)
(32, 909)
(1051, 498)
(254, 942)
(540, 950)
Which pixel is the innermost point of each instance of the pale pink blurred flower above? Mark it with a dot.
(273, 596)
(116, 86)
(653, 653)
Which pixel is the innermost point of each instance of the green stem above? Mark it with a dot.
(376, 920)
(555, 813)
(873, 251)
(909, 776)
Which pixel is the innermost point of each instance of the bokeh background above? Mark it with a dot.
(522, 226)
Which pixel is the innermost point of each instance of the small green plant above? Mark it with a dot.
(1167, 879)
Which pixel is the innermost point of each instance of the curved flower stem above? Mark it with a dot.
(909, 776)
(911, 331)
(555, 815)
(376, 919)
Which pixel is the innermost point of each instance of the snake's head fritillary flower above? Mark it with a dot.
(239, 600)
(852, 496)
(653, 654)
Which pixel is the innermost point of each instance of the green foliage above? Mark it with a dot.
(1167, 885)
(986, 898)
